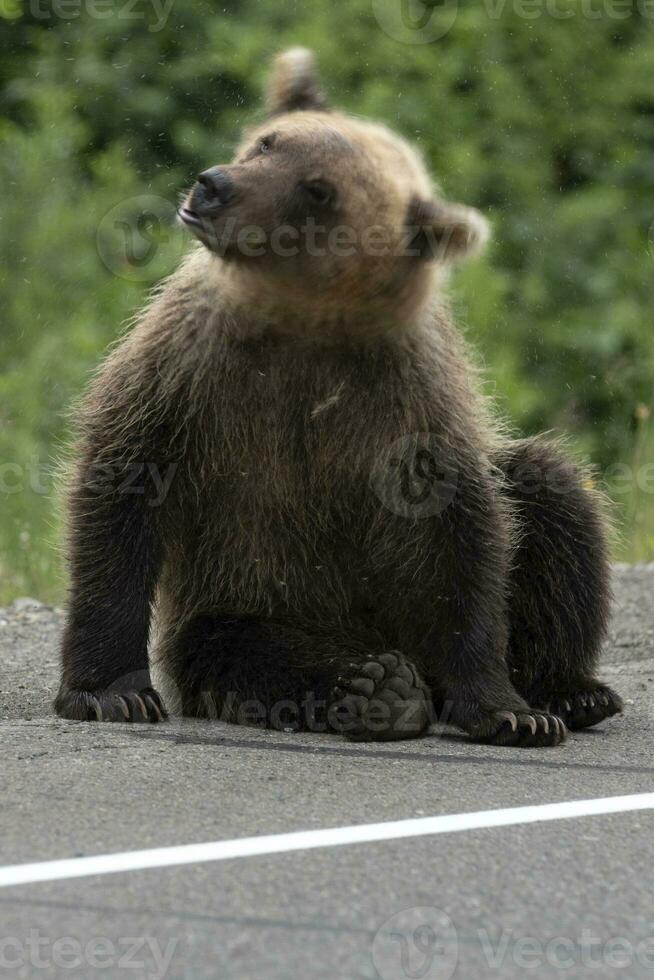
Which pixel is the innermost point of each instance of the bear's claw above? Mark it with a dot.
(524, 729)
(581, 709)
(145, 705)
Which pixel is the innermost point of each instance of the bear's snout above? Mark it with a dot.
(214, 189)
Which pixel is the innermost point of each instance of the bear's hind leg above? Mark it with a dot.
(560, 585)
(261, 672)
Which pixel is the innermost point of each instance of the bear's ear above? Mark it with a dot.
(293, 83)
(444, 231)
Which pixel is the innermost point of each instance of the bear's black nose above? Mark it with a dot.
(217, 185)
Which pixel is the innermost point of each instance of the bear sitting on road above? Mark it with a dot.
(349, 540)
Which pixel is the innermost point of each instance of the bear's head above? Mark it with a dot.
(324, 215)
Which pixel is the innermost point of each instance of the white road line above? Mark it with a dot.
(451, 823)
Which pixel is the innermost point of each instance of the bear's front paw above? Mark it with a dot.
(532, 729)
(128, 705)
(380, 698)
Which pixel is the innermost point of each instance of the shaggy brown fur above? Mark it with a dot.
(289, 459)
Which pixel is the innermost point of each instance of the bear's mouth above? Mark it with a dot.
(190, 218)
(199, 225)
(203, 227)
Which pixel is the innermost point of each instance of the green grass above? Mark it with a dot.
(633, 493)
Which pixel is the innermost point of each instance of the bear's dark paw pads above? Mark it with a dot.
(534, 729)
(381, 698)
(145, 705)
(581, 709)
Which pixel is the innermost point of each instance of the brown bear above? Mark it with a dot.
(288, 464)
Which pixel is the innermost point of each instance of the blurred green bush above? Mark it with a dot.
(545, 122)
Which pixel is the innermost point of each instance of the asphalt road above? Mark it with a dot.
(568, 899)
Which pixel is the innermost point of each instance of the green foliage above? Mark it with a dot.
(545, 123)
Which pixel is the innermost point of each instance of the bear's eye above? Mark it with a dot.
(265, 144)
(319, 191)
